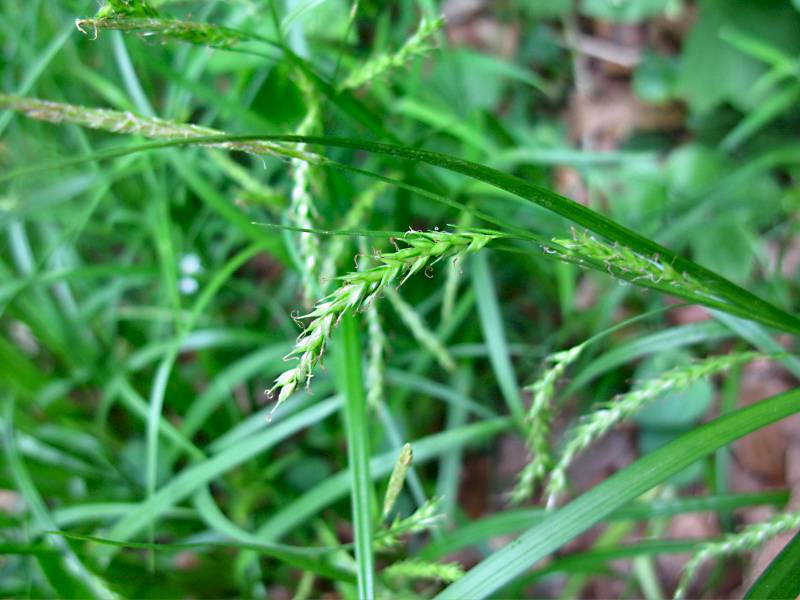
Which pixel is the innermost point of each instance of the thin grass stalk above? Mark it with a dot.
(424, 335)
(357, 429)
(376, 365)
(454, 273)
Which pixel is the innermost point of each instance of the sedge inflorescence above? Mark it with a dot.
(138, 16)
(750, 538)
(538, 422)
(624, 406)
(360, 288)
(621, 261)
(153, 128)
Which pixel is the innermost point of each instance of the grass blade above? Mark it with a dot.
(190, 479)
(494, 334)
(295, 557)
(351, 382)
(741, 301)
(513, 521)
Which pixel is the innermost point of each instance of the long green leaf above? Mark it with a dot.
(739, 300)
(577, 213)
(494, 334)
(576, 517)
(512, 521)
(351, 383)
(287, 554)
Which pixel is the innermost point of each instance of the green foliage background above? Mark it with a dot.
(148, 299)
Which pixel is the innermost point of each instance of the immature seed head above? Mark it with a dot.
(359, 288)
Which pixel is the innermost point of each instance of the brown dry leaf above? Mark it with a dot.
(617, 46)
(687, 526)
(459, 11)
(772, 548)
(470, 23)
(472, 493)
(569, 182)
(485, 34)
(604, 119)
(786, 258)
(763, 452)
(11, 502)
(605, 587)
(512, 456)
(686, 314)
(608, 455)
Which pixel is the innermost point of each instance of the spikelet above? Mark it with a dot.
(152, 128)
(751, 538)
(626, 405)
(359, 288)
(586, 250)
(397, 479)
(425, 518)
(538, 422)
(416, 568)
(302, 211)
(416, 45)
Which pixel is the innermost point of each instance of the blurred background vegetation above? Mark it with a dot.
(145, 307)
